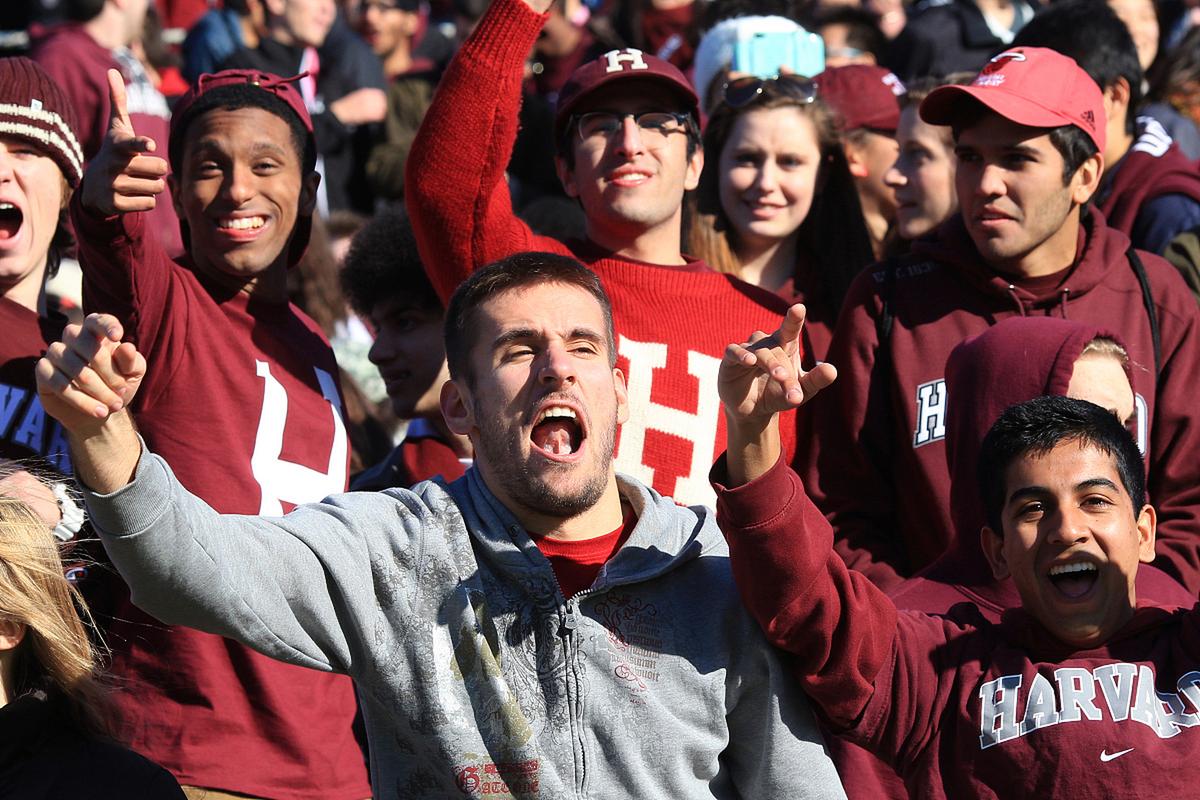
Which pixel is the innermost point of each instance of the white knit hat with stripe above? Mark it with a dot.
(34, 108)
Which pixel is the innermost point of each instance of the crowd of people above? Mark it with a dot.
(640, 399)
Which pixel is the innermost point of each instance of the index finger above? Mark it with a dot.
(118, 107)
(789, 329)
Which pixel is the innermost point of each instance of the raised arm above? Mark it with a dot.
(455, 189)
(122, 264)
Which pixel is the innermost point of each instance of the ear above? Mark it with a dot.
(1086, 179)
(695, 166)
(622, 396)
(411, 24)
(308, 194)
(11, 634)
(854, 160)
(566, 176)
(456, 405)
(275, 8)
(993, 549)
(1147, 529)
(1116, 99)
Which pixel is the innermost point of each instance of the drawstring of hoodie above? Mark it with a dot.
(1063, 296)
(1012, 293)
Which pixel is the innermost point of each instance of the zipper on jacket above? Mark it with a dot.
(566, 631)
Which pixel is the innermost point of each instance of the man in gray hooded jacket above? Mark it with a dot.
(540, 628)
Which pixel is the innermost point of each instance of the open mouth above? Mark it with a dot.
(557, 431)
(1074, 580)
(11, 218)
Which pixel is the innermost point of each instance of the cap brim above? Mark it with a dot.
(943, 105)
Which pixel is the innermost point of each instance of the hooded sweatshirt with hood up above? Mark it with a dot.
(879, 471)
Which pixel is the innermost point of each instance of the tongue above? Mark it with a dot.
(10, 224)
(554, 437)
(1075, 584)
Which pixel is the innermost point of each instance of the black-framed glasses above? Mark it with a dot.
(744, 91)
(594, 125)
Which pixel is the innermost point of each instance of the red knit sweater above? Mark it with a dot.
(673, 323)
(241, 399)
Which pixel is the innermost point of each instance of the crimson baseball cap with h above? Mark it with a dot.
(282, 88)
(862, 96)
(1032, 86)
(621, 65)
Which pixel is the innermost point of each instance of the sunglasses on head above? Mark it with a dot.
(744, 91)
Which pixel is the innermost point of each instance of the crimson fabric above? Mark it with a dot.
(862, 96)
(79, 65)
(417, 458)
(241, 399)
(34, 108)
(577, 563)
(961, 706)
(878, 468)
(1140, 176)
(26, 431)
(673, 324)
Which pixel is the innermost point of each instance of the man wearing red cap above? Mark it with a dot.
(1030, 133)
(867, 113)
(244, 404)
(628, 149)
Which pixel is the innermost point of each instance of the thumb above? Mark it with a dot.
(118, 109)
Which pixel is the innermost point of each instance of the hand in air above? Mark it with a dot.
(123, 176)
(763, 377)
(90, 374)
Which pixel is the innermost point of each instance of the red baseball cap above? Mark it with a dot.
(862, 96)
(285, 90)
(618, 65)
(1032, 86)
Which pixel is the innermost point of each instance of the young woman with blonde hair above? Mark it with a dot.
(55, 736)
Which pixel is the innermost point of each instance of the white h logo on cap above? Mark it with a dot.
(617, 58)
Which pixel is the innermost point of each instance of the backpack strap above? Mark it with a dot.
(1139, 270)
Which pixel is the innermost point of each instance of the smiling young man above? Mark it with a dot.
(1029, 134)
(627, 128)
(1081, 691)
(244, 405)
(540, 627)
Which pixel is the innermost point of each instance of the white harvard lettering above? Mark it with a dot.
(699, 429)
(282, 480)
(618, 58)
(1127, 690)
(931, 412)
(1142, 418)
(35, 431)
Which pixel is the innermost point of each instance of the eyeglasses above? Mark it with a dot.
(744, 91)
(654, 125)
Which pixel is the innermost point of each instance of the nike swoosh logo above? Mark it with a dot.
(1105, 756)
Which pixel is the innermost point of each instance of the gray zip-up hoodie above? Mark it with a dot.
(476, 677)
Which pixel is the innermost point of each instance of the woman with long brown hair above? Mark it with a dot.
(55, 737)
(776, 204)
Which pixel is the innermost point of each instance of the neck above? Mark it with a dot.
(461, 445)
(768, 266)
(1002, 9)
(1051, 256)
(1119, 143)
(30, 291)
(279, 32)
(270, 284)
(398, 61)
(249, 32)
(658, 245)
(108, 28)
(603, 517)
(877, 225)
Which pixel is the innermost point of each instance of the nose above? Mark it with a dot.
(894, 177)
(767, 179)
(381, 350)
(239, 185)
(991, 182)
(1069, 526)
(558, 367)
(630, 141)
(7, 163)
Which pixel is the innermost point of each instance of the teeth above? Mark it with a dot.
(554, 411)
(7, 207)
(1066, 569)
(242, 223)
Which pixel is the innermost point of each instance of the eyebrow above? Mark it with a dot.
(525, 334)
(258, 148)
(1040, 491)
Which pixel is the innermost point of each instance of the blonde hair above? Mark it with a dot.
(56, 655)
(1103, 346)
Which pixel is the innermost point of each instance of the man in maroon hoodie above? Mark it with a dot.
(961, 706)
(1029, 140)
(1150, 190)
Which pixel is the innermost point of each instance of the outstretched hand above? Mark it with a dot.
(763, 376)
(90, 375)
(123, 176)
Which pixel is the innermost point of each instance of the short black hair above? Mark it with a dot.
(1036, 427)
(515, 272)
(1071, 142)
(231, 97)
(1092, 34)
(82, 10)
(862, 32)
(383, 265)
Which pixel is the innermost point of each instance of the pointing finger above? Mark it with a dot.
(118, 118)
